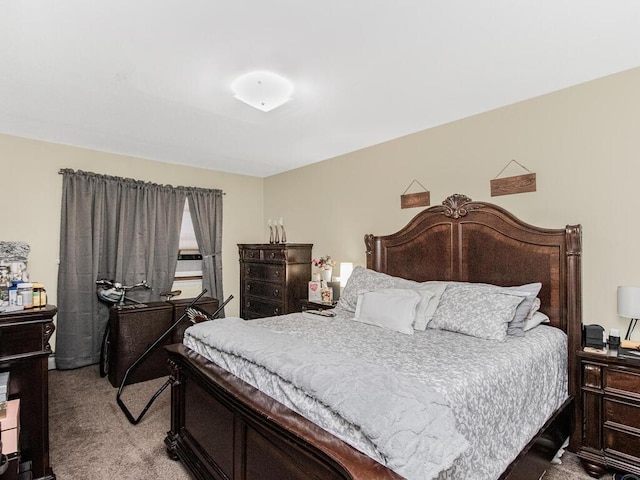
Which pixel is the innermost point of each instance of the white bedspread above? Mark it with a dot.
(501, 392)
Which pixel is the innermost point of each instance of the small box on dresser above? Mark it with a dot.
(610, 413)
(10, 427)
(315, 291)
(273, 278)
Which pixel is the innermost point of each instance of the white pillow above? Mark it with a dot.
(363, 280)
(393, 309)
(536, 319)
(426, 306)
(534, 308)
(436, 289)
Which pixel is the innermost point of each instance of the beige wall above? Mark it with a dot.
(31, 192)
(582, 142)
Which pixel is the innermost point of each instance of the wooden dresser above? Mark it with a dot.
(611, 413)
(273, 278)
(24, 353)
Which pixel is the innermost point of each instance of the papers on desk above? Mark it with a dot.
(628, 353)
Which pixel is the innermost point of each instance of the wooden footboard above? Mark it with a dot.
(222, 428)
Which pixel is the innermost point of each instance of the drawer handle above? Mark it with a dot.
(251, 254)
(277, 273)
(248, 287)
(276, 311)
(276, 293)
(273, 255)
(248, 270)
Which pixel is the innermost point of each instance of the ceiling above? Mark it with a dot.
(151, 78)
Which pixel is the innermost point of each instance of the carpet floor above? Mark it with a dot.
(90, 438)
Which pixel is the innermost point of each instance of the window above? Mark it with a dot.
(189, 259)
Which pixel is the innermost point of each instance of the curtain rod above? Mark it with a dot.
(70, 171)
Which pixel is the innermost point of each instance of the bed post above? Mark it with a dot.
(574, 325)
(373, 263)
(177, 411)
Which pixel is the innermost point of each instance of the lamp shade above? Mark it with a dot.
(346, 268)
(629, 302)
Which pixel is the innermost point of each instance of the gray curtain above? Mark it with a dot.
(115, 228)
(206, 215)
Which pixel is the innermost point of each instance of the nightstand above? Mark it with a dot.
(610, 413)
(24, 352)
(309, 305)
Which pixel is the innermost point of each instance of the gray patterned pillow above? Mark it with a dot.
(516, 326)
(477, 311)
(527, 307)
(364, 280)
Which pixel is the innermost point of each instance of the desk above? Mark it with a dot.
(133, 329)
(24, 352)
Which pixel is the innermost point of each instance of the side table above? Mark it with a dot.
(24, 353)
(610, 413)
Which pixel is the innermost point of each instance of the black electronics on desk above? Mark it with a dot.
(593, 336)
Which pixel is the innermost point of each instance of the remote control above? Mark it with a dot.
(322, 313)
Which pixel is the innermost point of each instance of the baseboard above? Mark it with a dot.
(52, 362)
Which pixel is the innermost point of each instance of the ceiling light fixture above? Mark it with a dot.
(262, 90)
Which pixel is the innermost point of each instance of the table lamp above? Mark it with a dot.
(629, 306)
(346, 268)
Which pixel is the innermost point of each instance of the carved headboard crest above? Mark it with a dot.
(455, 205)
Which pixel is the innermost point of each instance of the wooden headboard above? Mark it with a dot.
(468, 241)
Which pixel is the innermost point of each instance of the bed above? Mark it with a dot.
(224, 428)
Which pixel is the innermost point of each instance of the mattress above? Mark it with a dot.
(501, 393)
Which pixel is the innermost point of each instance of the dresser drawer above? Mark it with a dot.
(592, 375)
(264, 272)
(623, 442)
(259, 307)
(24, 338)
(622, 382)
(268, 290)
(622, 413)
(265, 255)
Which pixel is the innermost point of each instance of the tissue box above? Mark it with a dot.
(10, 426)
(315, 288)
